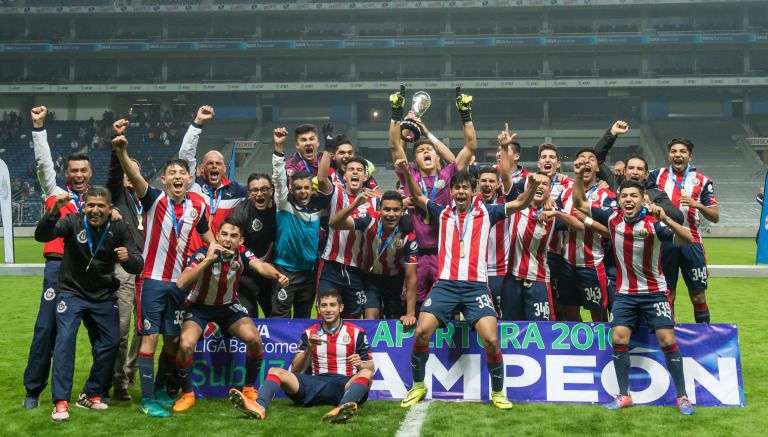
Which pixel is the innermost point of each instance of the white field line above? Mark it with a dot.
(411, 426)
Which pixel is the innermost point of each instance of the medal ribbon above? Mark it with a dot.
(89, 237)
(680, 185)
(177, 223)
(423, 186)
(383, 249)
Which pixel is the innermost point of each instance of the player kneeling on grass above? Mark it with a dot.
(87, 285)
(342, 367)
(641, 289)
(214, 272)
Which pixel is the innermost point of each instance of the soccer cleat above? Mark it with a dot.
(30, 402)
(251, 393)
(151, 408)
(415, 394)
(162, 398)
(619, 402)
(185, 402)
(341, 414)
(500, 401)
(685, 406)
(60, 411)
(91, 402)
(248, 407)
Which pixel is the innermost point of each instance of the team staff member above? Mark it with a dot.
(257, 217)
(87, 286)
(341, 366)
(77, 175)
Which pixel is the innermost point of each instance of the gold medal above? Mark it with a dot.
(543, 229)
(682, 192)
(141, 223)
(461, 248)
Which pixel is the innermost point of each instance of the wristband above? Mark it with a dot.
(432, 139)
(588, 221)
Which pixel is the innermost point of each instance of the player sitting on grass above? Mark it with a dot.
(342, 367)
(640, 284)
(462, 274)
(213, 273)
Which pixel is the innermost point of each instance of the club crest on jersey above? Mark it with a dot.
(398, 244)
(440, 184)
(193, 213)
(81, 238)
(282, 294)
(61, 307)
(256, 225)
(594, 196)
(49, 294)
(146, 324)
(345, 339)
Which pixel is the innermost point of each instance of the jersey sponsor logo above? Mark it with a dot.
(282, 294)
(475, 213)
(212, 330)
(146, 324)
(61, 307)
(49, 294)
(238, 308)
(428, 302)
(256, 225)
(711, 188)
(199, 257)
(81, 238)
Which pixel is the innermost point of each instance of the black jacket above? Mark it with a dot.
(98, 282)
(123, 201)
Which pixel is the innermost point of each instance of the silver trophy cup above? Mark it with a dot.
(409, 129)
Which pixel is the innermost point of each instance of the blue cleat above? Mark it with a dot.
(620, 402)
(30, 402)
(685, 406)
(162, 398)
(151, 408)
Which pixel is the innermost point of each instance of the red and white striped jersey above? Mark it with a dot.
(696, 185)
(218, 283)
(331, 357)
(530, 239)
(585, 248)
(388, 256)
(474, 225)
(219, 203)
(498, 243)
(637, 250)
(166, 251)
(346, 247)
(557, 186)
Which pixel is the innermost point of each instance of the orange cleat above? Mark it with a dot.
(341, 414)
(184, 403)
(251, 393)
(248, 407)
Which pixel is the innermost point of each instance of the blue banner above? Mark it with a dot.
(728, 37)
(369, 44)
(329, 44)
(570, 40)
(418, 42)
(76, 47)
(221, 45)
(761, 257)
(544, 362)
(519, 41)
(673, 39)
(468, 42)
(622, 39)
(173, 46)
(124, 47)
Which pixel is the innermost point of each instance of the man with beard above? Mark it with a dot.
(694, 194)
(257, 218)
(77, 175)
(298, 225)
(343, 254)
(462, 284)
(87, 285)
(305, 158)
(390, 257)
(433, 181)
(221, 195)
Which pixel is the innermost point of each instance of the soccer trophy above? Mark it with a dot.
(409, 129)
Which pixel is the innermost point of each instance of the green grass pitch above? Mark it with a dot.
(731, 300)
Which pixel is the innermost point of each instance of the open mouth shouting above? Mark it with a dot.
(678, 163)
(629, 207)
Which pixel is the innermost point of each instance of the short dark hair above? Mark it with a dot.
(231, 220)
(77, 157)
(360, 160)
(585, 150)
(301, 174)
(548, 146)
(419, 143)
(304, 128)
(391, 195)
(487, 169)
(629, 183)
(257, 176)
(176, 161)
(680, 140)
(329, 292)
(97, 191)
(640, 158)
(342, 139)
(464, 176)
(516, 146)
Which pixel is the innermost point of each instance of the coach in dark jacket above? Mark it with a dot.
(87, 284)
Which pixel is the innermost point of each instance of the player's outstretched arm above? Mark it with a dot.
(464, 105)
(268, 271)
(342, 220)
(396, 143)
(279, 177)
(115, 174)
(526, 197)
(49, 227)
(131, 169)
(682, 234)
(46, 174)
(579, 198)
(193, 273)
(505, 139)
(417, 197)
(188, 149)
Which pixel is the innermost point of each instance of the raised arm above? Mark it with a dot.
(324, 184)
(46, 174)
(579, 199)
(682, 234)
(120, 147)
(505, 139)
(396, 143)
(188, 149)
(606, 142)
(279, 177)
(526, 197)
(417, 197)
(464, 105)
(116, 174)
(342, 219)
